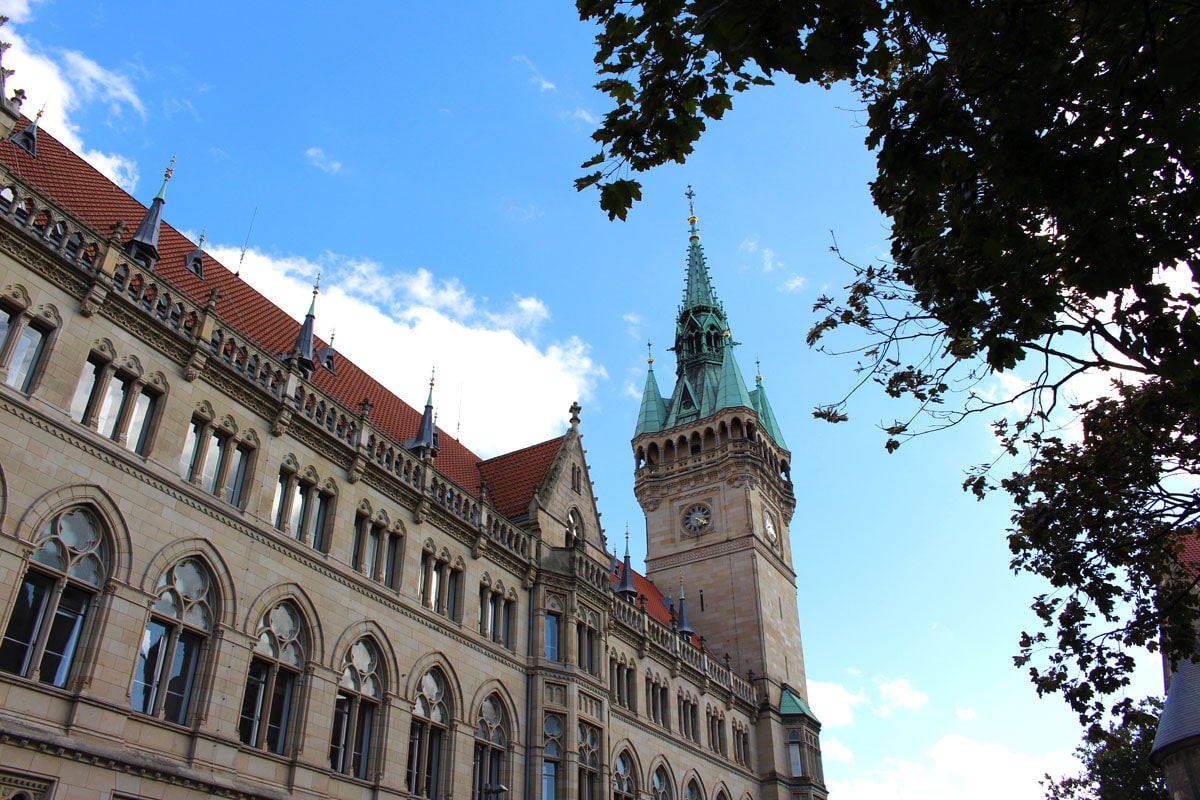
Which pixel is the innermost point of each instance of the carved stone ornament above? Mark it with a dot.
(281, 423)
(195, 366)
(93, 300)
(479, 546)
(421, 512)
(357, 467)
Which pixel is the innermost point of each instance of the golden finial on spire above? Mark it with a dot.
(432, 372)
(649, 355)
(170, 170)
(317, 284)
(203, 231)
(758, 370)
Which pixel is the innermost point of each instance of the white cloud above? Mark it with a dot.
(965, 714)
(898, 694)
(543, 84)
(833, 703)
(583, 115)
(316, 156)
(955, 767)
(17, 10)
(65, 83)
(833, 751)
(795, 283)
(398, 326)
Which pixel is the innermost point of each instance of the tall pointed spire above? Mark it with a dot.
(143, 246)
(302, 351)
(625, 588)
(425, 443)
(699, 291)
(685, 627)
(653, 411)
(731, 389)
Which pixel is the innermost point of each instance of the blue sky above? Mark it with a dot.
(422, 157)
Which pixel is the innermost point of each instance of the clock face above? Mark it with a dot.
(697, 518)
(769, 527)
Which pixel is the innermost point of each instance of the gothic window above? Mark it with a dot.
(302, 509)
(181, 620)
(552, 752)
(117, 403)
(553, 623)
(693, 791)
(576, 478)
(589, 762)
(65, 575)
(427, 736)
(496, 614)
(587, 641)
(22, 342)
(660, 785)
(356, 709)
(272, 684)
(794, 757)
(624, 778)
(574, 528)
(214, 460)
(440, 588)
(491, 747)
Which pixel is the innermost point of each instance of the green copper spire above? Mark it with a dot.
(766, 417)
(653, 411)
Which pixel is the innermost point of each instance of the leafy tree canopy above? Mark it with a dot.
(1116, 761)
(1037, 160)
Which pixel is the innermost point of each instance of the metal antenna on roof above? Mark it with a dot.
(246, 244)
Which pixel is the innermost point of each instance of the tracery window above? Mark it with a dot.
(589, 762)
(491, 747)
(360, 692)
(552, 752)
(272, 684)
(427, 736)
(181, 620)
(660, 785)
(65, 575)
(624, 778)
(693, 791)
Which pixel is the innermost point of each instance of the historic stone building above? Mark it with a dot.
(233, 564)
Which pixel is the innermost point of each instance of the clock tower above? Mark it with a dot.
(712, 474)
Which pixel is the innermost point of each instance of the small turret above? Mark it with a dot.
(685, 626)
(26, 138)
(143, 246)
(301, 354)
(425, 443)
(625, 587)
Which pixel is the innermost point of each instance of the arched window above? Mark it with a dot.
(589, 762)
(273, 679)
(65, 575)
(359, 693)
(427, 736)
(693, 791)
(574, 528)
(552, 753)
(660, 785)
(491, 747)
(624, 778)
(181, 619)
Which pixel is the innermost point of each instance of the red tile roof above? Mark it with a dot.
(512, 477)
(79, 189)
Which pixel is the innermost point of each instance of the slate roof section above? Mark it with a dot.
(511, 477)
(792, 703)
(78, 189)
(1180, 719)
